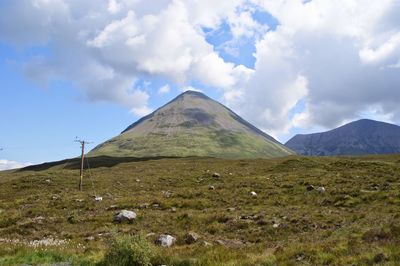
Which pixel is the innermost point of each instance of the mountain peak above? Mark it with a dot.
(192, 124)
(364, 136)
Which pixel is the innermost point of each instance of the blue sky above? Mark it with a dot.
(89, 70)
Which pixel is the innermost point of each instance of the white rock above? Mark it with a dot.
(211, 188)
(253, 194)
(125, 215)
(165, 240)
(98, 198)
(216, 175)
(321, 189)
(275, 225)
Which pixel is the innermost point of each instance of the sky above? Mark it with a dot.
(88, 69)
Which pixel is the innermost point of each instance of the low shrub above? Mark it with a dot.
(129, 251)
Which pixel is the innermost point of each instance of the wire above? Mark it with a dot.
(90, 176)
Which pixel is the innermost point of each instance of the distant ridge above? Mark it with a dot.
(192, 124)
(364, 136)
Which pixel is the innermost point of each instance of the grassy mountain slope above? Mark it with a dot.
(355, 222)
(356, 138)
(192, 125)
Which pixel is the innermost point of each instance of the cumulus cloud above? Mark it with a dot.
(104, 48)
(8, 165)
(325, 62)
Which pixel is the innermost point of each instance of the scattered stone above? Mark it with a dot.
(275, 225)
(220, 242)
(89, 238)
(156, 205)
(191, 238)
(253, 194)
(125, 215)
(144, 206)
(230, 174)
(173, 209)
(48, 181)
(321, 190)
(165, 240)
(250, 217)
(310, 188)
(211, 188)
(54, 197)
(98, 198)
(137, 180)
(79, 200)
(216, 175)
(231, 209)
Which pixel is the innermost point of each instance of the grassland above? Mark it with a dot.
(355, 222)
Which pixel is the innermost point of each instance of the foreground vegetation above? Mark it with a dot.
(356, 221)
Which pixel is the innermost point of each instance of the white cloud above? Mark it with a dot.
(337, 57)
(164, 89)
(7, 165)
(104, 47)
(325, 63)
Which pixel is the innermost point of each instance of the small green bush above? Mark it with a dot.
(129, 251)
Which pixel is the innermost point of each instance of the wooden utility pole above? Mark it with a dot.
(82, 142)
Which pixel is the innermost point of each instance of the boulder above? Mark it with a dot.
(191, 238)
(310, 187)
(216, 175)
(125, 215)
(165, 240)
(98, 198)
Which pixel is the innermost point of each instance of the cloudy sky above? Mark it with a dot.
(90, 68)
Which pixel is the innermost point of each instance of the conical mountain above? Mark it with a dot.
(356, 138)
(192, 125)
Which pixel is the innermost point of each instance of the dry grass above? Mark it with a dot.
(356, 221)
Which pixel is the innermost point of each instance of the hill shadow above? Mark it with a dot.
(94, 162)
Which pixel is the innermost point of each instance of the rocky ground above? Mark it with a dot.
(202, 211)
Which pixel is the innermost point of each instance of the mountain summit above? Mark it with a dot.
(192, 124)
(356, 138)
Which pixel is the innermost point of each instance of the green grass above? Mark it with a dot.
(356, 222)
